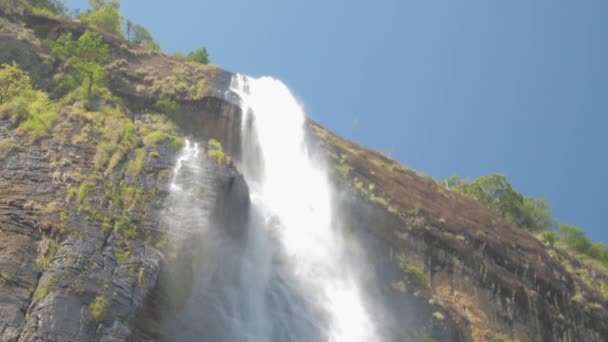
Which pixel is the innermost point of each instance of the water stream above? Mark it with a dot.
(290, 276)
(291, 193)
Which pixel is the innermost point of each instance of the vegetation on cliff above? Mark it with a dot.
(534, 215)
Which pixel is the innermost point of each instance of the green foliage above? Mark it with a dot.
(40, 113)
(138, 34)
(604, 289)
(167, 106)
(83, 191)
(494, 191)
(104, 16)
(163, 174)
(599, 251)
(98, 308)
(216, 152)
(454, 182)
(343, 169)
(156, 137)
(415, 275)
(7, 146)
(48, 7)
(127, 141)
(199, 55)
(550, 238)
(14, 82)
(122, 256)
(118, 137)
(86, 57)
(45, 287)
(575, 238)
(21, 103)
(52, 249)
(501, 337)
(106, 225)
(138, 163)
(124, 227)
(141, 277)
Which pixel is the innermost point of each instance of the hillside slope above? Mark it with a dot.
(84, 255)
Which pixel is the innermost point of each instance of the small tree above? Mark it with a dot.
(454, 182)
(199, 55)
(105, 16)
(56, 7)
(574, 238)
(143, 37)
(13, 82)
(86, 56)
(550, 238)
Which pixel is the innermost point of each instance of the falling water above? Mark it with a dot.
(301, 285)
(288, 275)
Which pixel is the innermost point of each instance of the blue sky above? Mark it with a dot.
(448, 87)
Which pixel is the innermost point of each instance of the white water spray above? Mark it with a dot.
(291, 194)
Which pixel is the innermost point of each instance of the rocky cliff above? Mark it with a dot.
(85, 256)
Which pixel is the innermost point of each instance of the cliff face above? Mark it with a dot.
(492, 279)
(84, 254)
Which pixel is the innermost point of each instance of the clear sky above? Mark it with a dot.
(467, 87)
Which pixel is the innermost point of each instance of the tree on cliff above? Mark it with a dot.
(105, 16)
(496, 192)
(139, 35)
(199, 56)
(86, 57)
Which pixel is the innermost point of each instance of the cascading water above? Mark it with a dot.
(304, 289)
(285, 277)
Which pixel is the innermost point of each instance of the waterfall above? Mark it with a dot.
(288, 275)
(305, 288)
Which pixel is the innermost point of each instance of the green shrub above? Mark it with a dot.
(14, 82)
(199, 55)
(48, 7)
(138, 34)
(216, 152)
(154, 138)
(25, 105)
(598, 251)
(41, 116)
(45, 287)
(86, 57)
(138, 162)
(550, 238)
(122, 256)
(98, 308)
(106, 225)
(415, 275)
(84, 190)
(141, 277)
(124, 227)
(575, 238)
(7, 146)
(167, 106)
(501, 337)
(495, 191)
(117, 142)
(104, 16)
